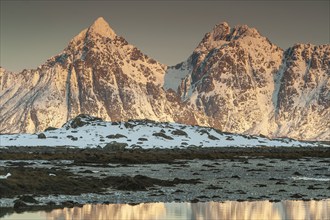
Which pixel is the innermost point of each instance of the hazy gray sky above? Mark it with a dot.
(33, 31)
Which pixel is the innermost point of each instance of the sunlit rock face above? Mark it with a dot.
(244, 83)
(236, 80)
(303, 100)
(98, 74)
(199, 211)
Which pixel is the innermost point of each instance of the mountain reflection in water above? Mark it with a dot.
(202, 211)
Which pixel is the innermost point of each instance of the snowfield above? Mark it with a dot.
(86, 131)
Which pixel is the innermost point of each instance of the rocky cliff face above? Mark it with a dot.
(244, 83)
(303, 97)
(235, 80)
(230, 78)
(99, 73)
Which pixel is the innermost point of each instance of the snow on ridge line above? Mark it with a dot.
(92, 132)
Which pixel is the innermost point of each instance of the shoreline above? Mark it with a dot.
(140, 156)
(61, 177)
(7, 211)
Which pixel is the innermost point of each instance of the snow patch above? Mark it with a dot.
(86, 131)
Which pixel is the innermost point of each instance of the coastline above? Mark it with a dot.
(47, 178)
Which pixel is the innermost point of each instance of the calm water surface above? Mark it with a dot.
(211, 210)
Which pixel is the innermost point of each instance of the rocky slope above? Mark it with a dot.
(243, 83)
(99, 73)
(86, 131)
(235, 80)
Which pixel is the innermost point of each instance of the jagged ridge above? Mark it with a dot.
(235, 80)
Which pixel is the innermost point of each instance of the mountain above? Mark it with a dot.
(236, 80)
(244, 83)
(98, 73)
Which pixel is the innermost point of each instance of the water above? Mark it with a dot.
(201, 211)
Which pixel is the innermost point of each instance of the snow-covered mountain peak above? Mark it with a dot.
(220, 31)
(101, 28)
(222, 35)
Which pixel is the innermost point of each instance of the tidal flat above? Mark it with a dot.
(48, 178)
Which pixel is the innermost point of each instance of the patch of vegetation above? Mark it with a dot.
(50, 129)
(129, 125)
(141, 183)
(141, 156)
(211, 137)
(115, 146)
(82, 120)
(72, 137)
(179, 133)
(26, 180)
(41, 136)
(136, 146)
(31, 180)
(203, 131)
(160, 134)
(116, 136)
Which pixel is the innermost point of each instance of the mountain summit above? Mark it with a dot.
(101, 27)
(235, 80)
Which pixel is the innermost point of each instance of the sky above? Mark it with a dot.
(31, 31)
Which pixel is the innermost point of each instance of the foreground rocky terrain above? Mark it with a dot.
(43, 178)
(236, 80)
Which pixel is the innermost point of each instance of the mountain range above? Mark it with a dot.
(236, 80)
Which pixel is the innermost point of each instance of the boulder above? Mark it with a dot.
(115, 146)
